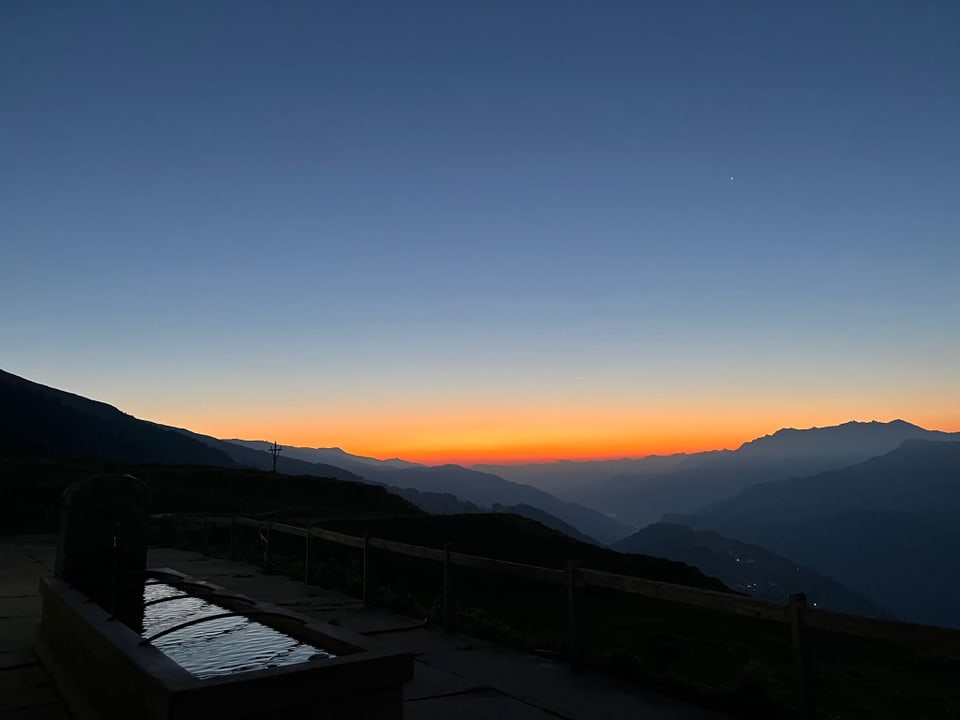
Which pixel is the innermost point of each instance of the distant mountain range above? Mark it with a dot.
(483, 489)
(746, 568)
(640, 492)
(330, 456)
(258, 459)
(887, 528)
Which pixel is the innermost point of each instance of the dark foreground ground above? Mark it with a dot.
(455, 675)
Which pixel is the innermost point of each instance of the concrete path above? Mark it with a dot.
(454, 675)
(26, 692)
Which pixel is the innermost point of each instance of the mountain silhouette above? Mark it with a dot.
(449, 504)
(482, 489)
(842, 442)
(885, 528)
(260, 459)
(331, 456)
(518, 539)
(746, 568)
(641, 492)
(40, 421)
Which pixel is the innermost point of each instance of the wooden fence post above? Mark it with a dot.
(449, 593)
(233, 538)
(796, 607)
(205, 537)
(367, 591)
(306, 555)
(573, 631)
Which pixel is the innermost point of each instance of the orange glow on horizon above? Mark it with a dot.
(543, 454)
(538, 429)
(469, 443)
(484, 446)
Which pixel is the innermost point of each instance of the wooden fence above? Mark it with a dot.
(795, 613)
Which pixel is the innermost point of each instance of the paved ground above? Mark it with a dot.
(455, 676)
(26, 693)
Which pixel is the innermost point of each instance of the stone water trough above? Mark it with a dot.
(121, 641)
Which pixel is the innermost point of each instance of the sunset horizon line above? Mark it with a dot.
(520, 457)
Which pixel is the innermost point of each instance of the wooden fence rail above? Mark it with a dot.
(796, 614)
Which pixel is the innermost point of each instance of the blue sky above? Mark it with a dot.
(314, 216)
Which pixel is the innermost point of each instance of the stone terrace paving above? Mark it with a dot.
(454, 675)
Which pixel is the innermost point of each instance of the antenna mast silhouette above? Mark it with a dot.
(275, 450)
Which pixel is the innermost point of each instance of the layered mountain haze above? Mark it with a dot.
(567, 478)
(483, 489)
(487, 489)
(747, 568)
(448, 504)
(642, 491)
(260, 459)
(885, 528)
(843, 444)
(331, 456)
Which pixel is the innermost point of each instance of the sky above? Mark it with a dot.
(503, 231)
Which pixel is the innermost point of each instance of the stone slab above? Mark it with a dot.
(432, 682)
(16, 633)
(50, 711)
(23, 585)
(483, 705)
(15, 656)
(20, 606)
(25, 687)
(554, 687)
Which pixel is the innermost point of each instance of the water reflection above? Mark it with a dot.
(218, 647)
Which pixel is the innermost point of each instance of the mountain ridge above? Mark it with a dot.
(47, 422)
(483, 489)
(746, 567)
(641, 492)
(885, 528)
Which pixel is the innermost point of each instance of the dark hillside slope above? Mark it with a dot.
(448, 504)
(518, 539)
(484, 490)
(39, 421)
(32, 489)
(487, 490)
(545, 519)
(253, 492)
(746, 568)
(886, 528)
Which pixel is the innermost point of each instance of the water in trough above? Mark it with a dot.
(221, 646)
